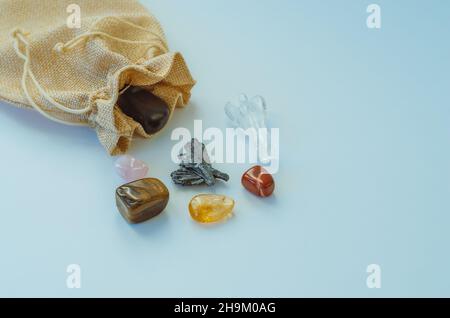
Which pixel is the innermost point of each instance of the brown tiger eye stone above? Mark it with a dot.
(145, 108)
(258, 181)
(141, 200)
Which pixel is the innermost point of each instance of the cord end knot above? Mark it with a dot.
(17, 33)
(59, 47)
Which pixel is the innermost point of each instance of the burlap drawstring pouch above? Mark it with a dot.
(75, 75)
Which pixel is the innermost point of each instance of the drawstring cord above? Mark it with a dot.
(20, 36)
(158, 42)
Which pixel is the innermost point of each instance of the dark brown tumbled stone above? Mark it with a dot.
(145, 108)
(141, 200)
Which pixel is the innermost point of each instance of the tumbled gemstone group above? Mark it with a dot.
(142, 199)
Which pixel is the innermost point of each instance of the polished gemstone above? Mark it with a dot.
(211, 208)
(130, 168)
(145, 108)
(258, 181)
(141, 200)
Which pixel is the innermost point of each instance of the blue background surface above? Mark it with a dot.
(364, 176)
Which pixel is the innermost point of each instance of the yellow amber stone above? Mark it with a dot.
(210, 208)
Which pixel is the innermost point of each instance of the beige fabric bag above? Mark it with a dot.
(74, 76)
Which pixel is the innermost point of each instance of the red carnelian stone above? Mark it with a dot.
(258, 181)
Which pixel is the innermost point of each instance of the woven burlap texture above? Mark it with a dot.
(92, 73)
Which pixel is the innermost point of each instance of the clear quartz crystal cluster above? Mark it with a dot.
(251, 113)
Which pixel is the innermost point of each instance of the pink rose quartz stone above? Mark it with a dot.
(130, 168)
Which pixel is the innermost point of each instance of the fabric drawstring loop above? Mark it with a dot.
(156, 42)
(20, 37)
